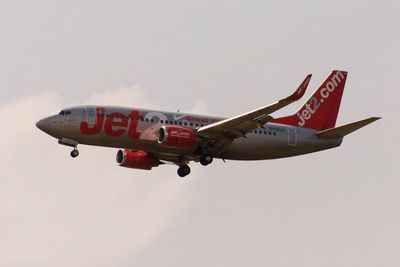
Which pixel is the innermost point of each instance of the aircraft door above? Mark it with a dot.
(91, 116)
(292, 136)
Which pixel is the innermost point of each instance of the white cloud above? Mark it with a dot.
(58, 211)
(15, 115)
(133, 96)
(200, 107)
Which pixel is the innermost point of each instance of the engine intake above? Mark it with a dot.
(136, 159)
(177, 137)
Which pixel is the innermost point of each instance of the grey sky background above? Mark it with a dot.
(335, 208)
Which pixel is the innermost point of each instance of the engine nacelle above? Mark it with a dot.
(177, 137)
(136, 159)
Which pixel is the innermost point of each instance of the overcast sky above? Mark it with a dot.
(334, 208)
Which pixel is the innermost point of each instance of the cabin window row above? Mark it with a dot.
(264, 132)
(161, 121)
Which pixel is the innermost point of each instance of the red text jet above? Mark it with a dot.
(151, 138)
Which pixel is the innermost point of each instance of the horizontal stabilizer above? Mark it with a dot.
(344, 130)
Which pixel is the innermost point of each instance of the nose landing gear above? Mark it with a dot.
(75, 153)
(71, 143)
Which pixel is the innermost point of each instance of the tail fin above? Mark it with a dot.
(321, 110)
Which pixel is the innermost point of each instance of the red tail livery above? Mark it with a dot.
(321, 110)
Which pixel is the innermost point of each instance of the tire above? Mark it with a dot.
(186, 169)
(74, 153)
(183, 170)
(206, 160)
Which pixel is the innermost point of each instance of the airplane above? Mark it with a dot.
(149, 138)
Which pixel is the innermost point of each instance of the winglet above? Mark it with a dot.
(344, 130)
(299, 93)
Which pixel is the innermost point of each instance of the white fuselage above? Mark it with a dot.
(137, 129)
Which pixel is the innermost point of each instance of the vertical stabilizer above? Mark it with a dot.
(321, 110)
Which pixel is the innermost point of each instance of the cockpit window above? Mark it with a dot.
(64, 112)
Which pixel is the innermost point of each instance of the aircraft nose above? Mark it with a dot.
(44, 125)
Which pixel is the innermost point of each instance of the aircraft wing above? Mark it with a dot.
(239, 126)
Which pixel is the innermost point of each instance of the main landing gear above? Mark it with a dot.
(206, 160)
(183, 170)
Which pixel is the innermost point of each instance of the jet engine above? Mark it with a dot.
(177, 137)
(136, 159)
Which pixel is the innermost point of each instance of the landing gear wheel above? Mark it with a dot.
(74, 153)
(183, 170)
(206, 159)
